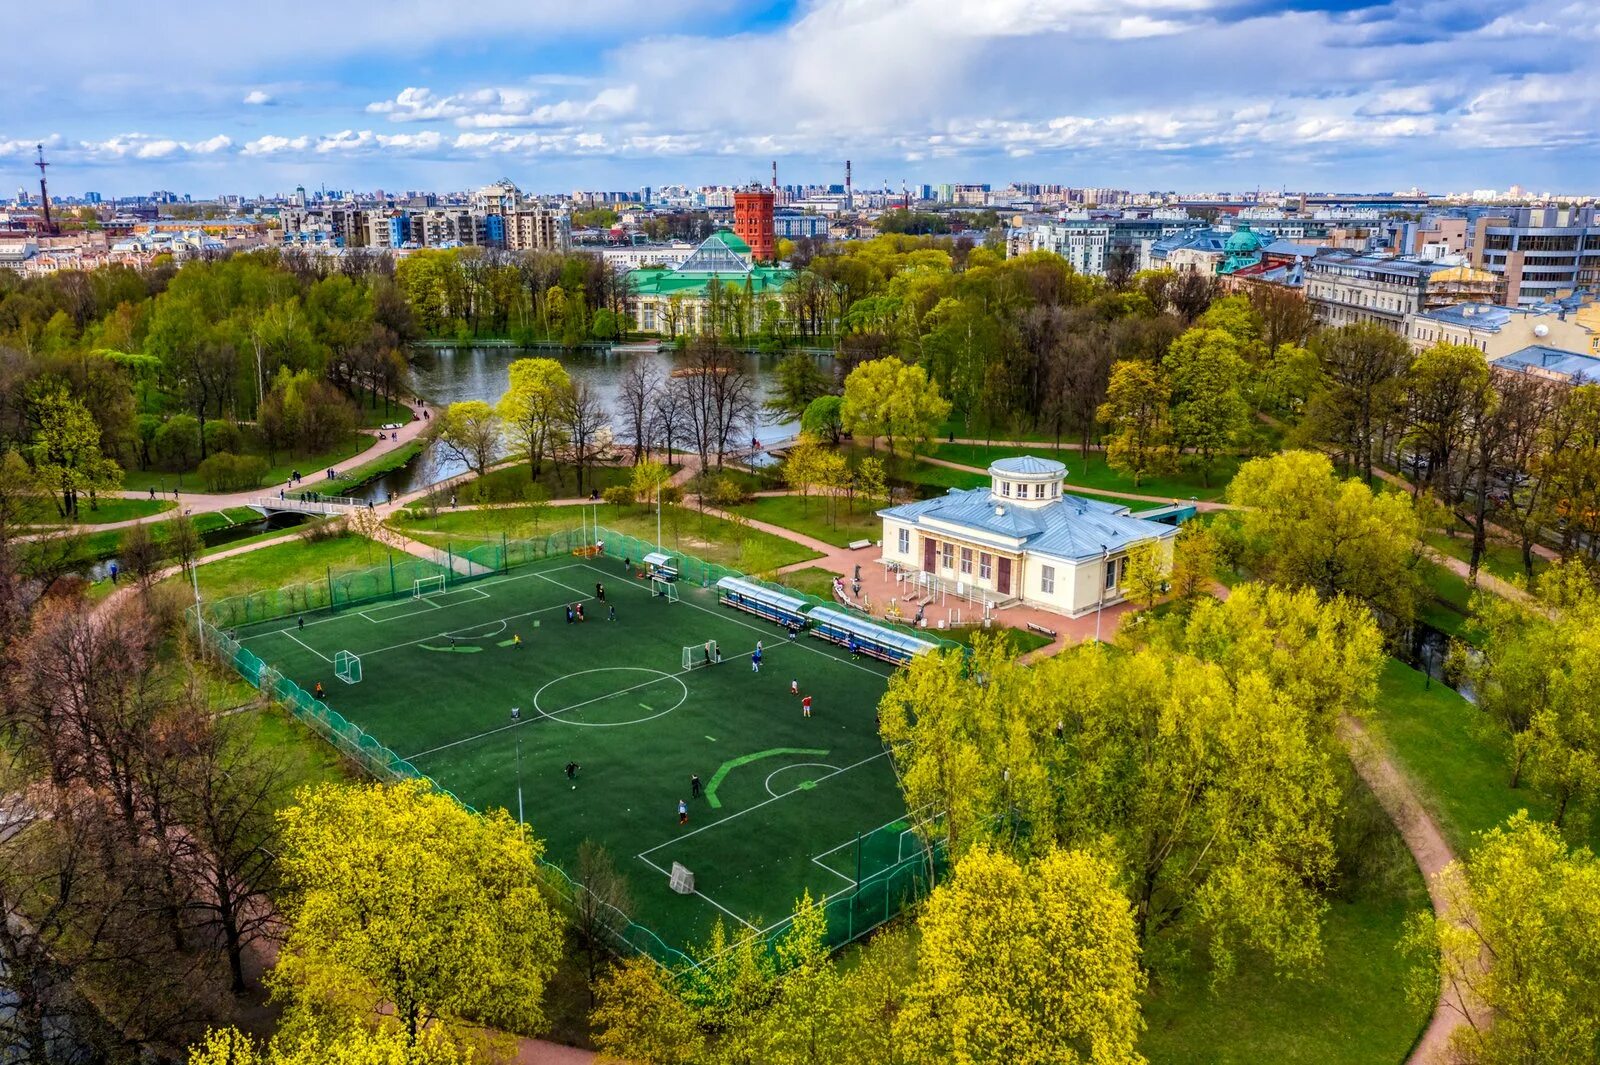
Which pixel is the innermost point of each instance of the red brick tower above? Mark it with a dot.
(752, 220)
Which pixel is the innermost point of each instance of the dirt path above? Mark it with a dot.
(1432, 853)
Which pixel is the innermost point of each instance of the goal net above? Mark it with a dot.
(347, 667)
(701, 654)
(682, 880)
(666, 589)
(423, 587)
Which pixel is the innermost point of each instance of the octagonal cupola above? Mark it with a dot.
(1026, 481)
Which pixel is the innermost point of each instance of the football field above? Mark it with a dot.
(784, 800)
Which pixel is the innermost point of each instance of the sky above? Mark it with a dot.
(206, 97)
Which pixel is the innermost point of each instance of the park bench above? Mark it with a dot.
(857, 545)
(1042, 630)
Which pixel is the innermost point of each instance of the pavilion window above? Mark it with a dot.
(949, 555)
(1047, 580)
(985, 564)
(1005, 488)
(904, 540)
(966, 561)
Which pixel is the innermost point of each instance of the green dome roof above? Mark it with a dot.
(1244, 242)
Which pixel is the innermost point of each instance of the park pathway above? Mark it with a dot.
(1432, 854)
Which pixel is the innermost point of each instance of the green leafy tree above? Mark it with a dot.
(400, 899)
(1303, 526)
(1137, 410)
(800, 381)
(66, 452)
(469, 432)
(1149, 569)
(1364, 367)
(1448, 398)
(889, 398)
(1516, 949)
(1033, 964)
(531, 409)
(822, 419)
(1206, 370)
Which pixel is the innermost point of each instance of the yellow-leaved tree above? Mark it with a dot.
(399, 900)
(386, 1045)
(1029, 964)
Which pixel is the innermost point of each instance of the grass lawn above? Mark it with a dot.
(295, 562)
(108, 510)
(812, 580)
(1353, 1010)
(1022, 640)
(683, 529)
(511, 484)
(1446, 601)
(374, 416)
(1094, 473)
(311, 466)
(1453, 756)
(1502, 559)
(810, 516)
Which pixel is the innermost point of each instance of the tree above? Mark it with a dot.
(531, 408)
(800, 381)
(1304, 527)
(887, 397)
(1365, 366)
(648, 479)
(821, 419)
(66, 452)
(397, 895)
(639, 1018)
(1136, 409)
(1194, 563)
(139, 554)
(1034, 963)
(1149, 568)
(1205, 368)
(469, 432)
(1535, 681)
(600, 906)
(1515, 948)
(641, 383)
(182, 540)
(385, 1045)
(1447, 395)
(585, 423)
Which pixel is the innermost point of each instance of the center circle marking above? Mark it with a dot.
(656, 674)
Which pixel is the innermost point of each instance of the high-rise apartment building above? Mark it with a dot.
(1542, 252)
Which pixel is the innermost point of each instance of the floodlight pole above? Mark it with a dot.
(520, 821)
(658, 514)
(199, 621)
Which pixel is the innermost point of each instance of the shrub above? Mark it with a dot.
(223, 436)
(177, 442)
(227, 472)
(314, 532)
(726, 492)
(619, 495)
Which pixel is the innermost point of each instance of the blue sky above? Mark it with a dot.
(206, 97)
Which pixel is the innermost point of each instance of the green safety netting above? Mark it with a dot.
(894, 867)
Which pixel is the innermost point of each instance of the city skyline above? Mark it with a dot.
(1181, 94)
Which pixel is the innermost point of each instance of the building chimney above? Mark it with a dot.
(774, 175)
(849, 195)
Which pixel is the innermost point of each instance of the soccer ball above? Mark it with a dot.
(574, 787)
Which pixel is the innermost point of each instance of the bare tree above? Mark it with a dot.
(667, 413)
(583, 416)
(641, 384)
(600, 907)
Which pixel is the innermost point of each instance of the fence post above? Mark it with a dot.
(505, 561)
(392, 589)
(329, 569)
(449, 562)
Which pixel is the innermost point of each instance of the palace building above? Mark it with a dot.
(1022, 540)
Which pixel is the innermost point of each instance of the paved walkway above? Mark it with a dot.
(1432, 854)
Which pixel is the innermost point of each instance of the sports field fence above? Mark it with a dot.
(887, 878)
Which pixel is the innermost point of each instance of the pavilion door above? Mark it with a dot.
(929, 549)
(1003, 577)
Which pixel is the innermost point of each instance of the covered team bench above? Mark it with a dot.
(762, 601)
(873, 639)
(660, 566)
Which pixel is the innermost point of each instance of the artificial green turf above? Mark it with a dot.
(1094, 473)
(1454, 757)
(1351, 1011)
(620, 706)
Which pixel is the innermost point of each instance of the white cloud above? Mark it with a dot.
(258, 98)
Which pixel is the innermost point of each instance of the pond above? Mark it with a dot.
(443, 375)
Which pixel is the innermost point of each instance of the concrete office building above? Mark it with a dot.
(1345, 288)
(1541, 252)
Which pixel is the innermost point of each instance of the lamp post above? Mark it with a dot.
(1100, 596)
(520, 821)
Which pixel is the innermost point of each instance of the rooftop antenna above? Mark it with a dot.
(44, 192)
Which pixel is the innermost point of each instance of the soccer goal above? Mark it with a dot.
(701, 654)
(666, 589)
(347, 667)
(423, 587)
